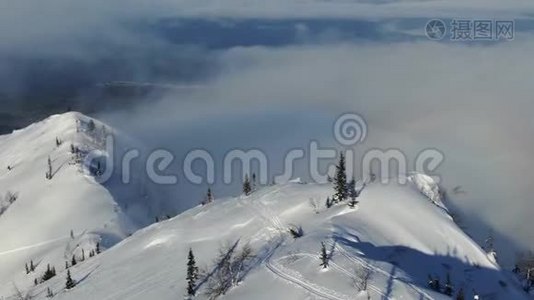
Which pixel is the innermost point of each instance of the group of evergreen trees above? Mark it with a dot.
(30, 268)
(524, 270)
(51, 271)
(447, 289)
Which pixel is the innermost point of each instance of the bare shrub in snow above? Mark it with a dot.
(296, 231)
(230, 268)
(362, 275)
(314, 205)
(19, 295)
(9, 199)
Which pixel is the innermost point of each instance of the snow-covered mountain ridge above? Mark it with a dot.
(401, 234)
(395, 231)
(53, 207)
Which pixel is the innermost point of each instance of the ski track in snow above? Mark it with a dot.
(342, 270)
(361, 261)
(317, 291)
(270, 217)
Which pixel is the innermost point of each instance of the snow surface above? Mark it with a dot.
(37, 225)
(403, 233)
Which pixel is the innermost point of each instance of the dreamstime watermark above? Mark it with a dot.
(471, 30)
(349, 130)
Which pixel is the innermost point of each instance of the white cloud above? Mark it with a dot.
(471, 102)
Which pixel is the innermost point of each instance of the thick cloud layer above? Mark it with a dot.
(471, 103)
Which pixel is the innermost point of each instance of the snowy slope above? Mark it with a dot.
(397, 231)
(37, 225)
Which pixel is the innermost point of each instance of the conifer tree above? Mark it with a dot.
(340, 180)
(66, 265)
(324, 256)
(460, 295)
(448, 286)
(247, 188)
(328, 202)
(97, 249)
(91, 125)
(70, 282)
(32, 266)
(352, 193)
(49, 293)
(209, 197)
(253, 181)
(73, 261)
(192, 273)
(49, 171)
(27, 269)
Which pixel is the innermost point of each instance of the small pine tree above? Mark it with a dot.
(352, 193)
(430, 282)
(448, 286)
(209, 197)
(91, 125)
(32, 266)
(35, 282)
(27, 269)
(488, 243)
(70, 283)
(328, 202)
(340, 180)
(254, 186)
(247, 188)
(49, 293)
(460, 295)
(49, 171)
(434, 284)
(192, 273)
(324, 256)
(97, 249)
(437, 285)
(66, 265)
(73, 261)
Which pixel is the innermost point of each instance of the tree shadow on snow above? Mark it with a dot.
(413, 266)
